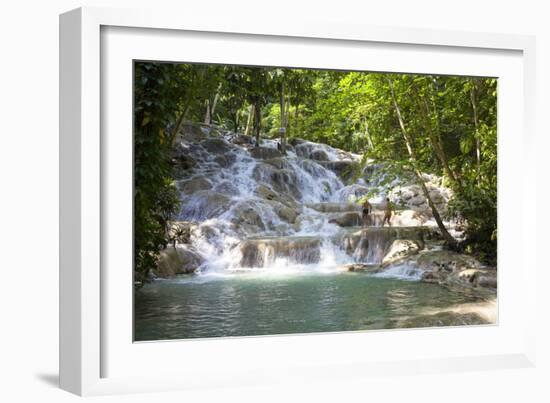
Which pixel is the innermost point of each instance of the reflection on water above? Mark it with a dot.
(259, 304)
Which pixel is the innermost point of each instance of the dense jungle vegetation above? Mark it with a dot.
(446, 125)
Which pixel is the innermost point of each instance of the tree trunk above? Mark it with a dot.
(207, 117)
(249, 120)
(257, 121)
(476, 128)
(214, 103)
(412, 157)
(295, 120)
(236, 122)
(435, 137)
(367, 133)
(179, 122)
(282, 129)
(437, 145)
(287, 117)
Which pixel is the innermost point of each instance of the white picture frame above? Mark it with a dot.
(89, 319)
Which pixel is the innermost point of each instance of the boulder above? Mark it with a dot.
(362, 267)
(476, 277)
(225, 160)
(204, 204)
(347, 219)
(216, 145)
(285, 212)
(283, 181)
(416, 200)
(265, 192)
(438, 260)
(183, 259)
(193, 185)
(227, 187)
(399, 249)
(372, 244)
(191, 132)
(265, 153)
(408, 218)
(242, 139)
(436, 196)
(279, 163)
(319, 155)
(183, 161)
(405, 194)
(245, 214)
(452, 269)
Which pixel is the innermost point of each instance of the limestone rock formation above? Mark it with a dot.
(265, 153)
(183, 259)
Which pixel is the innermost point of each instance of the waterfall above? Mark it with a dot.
(373, 246)
(257, 209)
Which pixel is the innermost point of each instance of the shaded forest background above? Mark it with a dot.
(445, 125)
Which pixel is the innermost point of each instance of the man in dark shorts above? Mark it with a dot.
(367, 209)
(388, 212)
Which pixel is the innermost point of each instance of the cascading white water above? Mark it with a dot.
(402, 272)
(274, 213)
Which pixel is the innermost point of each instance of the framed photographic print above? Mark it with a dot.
(242, 199)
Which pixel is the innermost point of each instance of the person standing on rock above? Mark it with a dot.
(367, 209)
(388, 211)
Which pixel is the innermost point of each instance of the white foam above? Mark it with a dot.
(402, 272)
(220, 231)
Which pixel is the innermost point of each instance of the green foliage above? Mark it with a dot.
(476, 202)
(451, 122)
(155, 198)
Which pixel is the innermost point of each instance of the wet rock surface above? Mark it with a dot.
(280, 180)
(205, 204)
(255, 207)
(347, 219)
(453, 269)
(442, 319)
(182, 259)
(363, 268)
(193, 185)
(262, 252)
(216, 145)
(265, 153)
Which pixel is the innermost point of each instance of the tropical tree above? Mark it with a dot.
(155, 198)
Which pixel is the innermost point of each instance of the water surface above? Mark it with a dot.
(246, 304)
